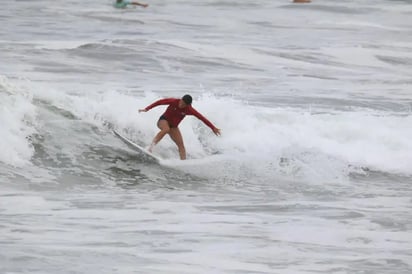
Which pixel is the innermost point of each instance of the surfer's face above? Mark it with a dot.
(182, 104)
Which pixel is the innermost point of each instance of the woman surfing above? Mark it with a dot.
(169, 121)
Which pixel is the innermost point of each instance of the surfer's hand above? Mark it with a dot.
(142, 110)
(216, 131)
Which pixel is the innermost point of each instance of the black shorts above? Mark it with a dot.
(162, 117)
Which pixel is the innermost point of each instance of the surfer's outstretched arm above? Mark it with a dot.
(166, 101)
(205, 120)
(139, 4)
(216, 131)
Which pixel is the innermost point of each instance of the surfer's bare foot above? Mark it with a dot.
(150, 149)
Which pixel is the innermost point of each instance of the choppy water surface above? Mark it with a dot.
(312, 173)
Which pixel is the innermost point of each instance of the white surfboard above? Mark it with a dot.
(142, 151)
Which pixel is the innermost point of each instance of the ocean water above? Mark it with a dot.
(312, 173)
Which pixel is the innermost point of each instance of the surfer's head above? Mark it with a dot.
(185, 101)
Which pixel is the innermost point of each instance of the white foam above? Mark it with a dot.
(362, 138)
(313, 143)
(17, 119)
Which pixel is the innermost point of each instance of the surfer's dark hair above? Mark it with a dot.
(187, 99)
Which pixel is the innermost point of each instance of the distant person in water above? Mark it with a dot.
(168, 122)
(123, 3)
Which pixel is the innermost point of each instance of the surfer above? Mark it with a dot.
(168, 122)
(123, 3)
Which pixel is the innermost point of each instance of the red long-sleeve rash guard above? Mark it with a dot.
(174, 115)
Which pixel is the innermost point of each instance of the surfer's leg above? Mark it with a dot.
(163, 125)
(178, 139)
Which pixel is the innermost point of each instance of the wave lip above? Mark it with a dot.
(17, 119)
